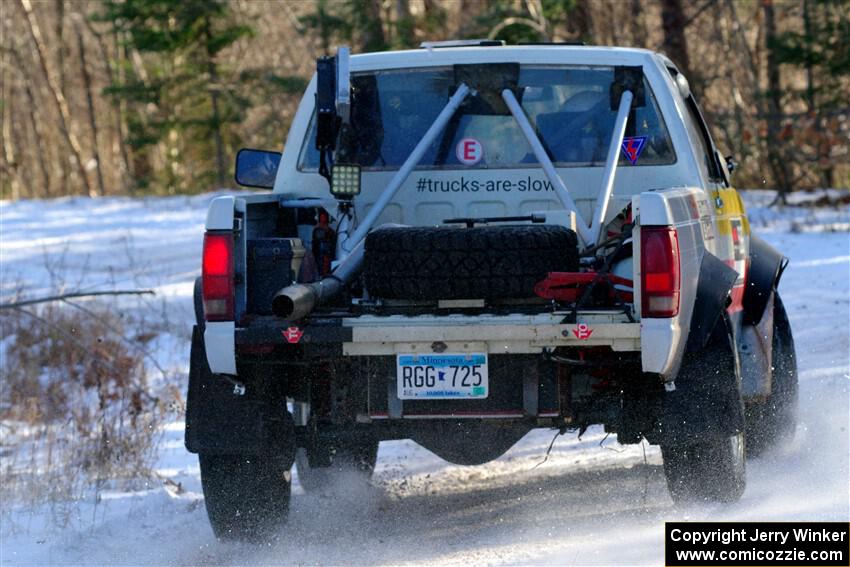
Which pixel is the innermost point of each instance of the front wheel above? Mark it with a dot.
(710, 470)
(246, 496)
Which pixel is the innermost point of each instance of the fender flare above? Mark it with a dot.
(712, 297)
(766, 267)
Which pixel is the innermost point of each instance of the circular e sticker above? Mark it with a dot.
(469, 151)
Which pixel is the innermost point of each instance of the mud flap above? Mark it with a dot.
(198, 304)
(757, 355)
(218, 421)
(766, 266)
(715, 282)
(706, 402)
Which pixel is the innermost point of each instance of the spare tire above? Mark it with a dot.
(487, 262)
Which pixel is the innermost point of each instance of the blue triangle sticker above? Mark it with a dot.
(632, 147)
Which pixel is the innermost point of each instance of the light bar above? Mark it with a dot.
(346, 181)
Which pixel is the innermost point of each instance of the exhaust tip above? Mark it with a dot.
(294, 302)
(283, 306)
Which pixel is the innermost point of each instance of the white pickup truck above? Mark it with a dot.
(471, 240)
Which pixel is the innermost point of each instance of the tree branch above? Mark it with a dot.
(16, 304)
(59, 99)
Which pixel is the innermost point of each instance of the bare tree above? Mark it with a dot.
(673, 22)
(87, 86)
(58, 97)
(119, 128)
(64, 130)
(827, 171)
(372, 32)
(778, 165)
(10, 161)
(35, 125)
(404, 24)
(59, 30)
(637, 24)
(583, 20)
(214, 87)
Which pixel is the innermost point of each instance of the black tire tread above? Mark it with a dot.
(710, 466)
(246, 496)
(708, 471)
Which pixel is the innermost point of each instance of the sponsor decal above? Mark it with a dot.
(737, 241)
(582, 331)
(469, 151)
(632, 147)
(293, 335)
(465, 184)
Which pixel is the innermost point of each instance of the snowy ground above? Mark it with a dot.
(588, 505)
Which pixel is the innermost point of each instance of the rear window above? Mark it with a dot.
(568, 106)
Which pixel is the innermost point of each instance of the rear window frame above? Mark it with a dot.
(302, 167)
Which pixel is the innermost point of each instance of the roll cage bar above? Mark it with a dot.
(486, 82)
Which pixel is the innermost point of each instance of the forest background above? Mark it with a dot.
(138, 97)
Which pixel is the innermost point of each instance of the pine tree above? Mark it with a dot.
(184, 103)
(352, 21)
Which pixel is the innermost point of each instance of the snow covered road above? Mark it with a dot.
(587, 505)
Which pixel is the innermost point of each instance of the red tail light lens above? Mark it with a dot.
(217, 276)
(660, 272)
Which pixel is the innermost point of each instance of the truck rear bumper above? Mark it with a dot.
(372, 335)
(495, 334)
(524, 383)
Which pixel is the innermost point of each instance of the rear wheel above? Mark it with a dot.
(774, 420)
(712, 470)
(246, 496)
(704, 455)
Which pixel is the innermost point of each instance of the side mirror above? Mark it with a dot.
(256, 168)
(731, 164)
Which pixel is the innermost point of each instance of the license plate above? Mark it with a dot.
(442, 376)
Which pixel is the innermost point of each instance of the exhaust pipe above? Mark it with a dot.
(296, 301)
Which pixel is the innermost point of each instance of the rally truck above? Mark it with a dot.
(470, 240)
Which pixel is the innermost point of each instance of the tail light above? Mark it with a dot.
(217, 276)
(660, 272)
